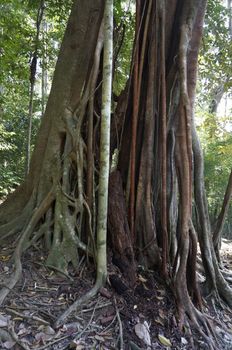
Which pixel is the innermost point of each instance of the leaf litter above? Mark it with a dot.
(147, 313)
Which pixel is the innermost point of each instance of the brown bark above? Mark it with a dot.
(118, 229)
(136, 96)
(215, 282)
(222, 217)
(163, 147)
(145, 214)
(71, 73)
(157, 161)
(90, 134)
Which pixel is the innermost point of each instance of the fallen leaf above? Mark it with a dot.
(106, 334)
(142, 279)
(71, 327)
(142, 332)
(164, 341)
(159, 321)
(161, 314)
(3, 323)
(161, 291)
(105, 320)
(5, 257)
(5, 318)
(22, 331)
(5, 336)
(133, 346)
(42, 337)
(145, 287)
(174, 321)
(184, 341)
(75, 344)
(99, 338)
(9, 344)
(105, 293)
(25, 341)
(226, 318)
(49, 330)
(146, 325)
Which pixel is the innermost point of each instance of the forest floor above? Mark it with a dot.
(116, 319)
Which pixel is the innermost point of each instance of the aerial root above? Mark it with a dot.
(77, 304)
(202, 324)
(17, 223)
(23, 240)
(197, 321)
(227, 275)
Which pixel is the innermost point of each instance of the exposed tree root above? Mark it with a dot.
(15, 276)
(78, 303)
(199, 322)
(17, 223)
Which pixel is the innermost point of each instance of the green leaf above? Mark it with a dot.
(164, 341)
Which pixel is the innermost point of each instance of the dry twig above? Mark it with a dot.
(11, 331)
(28, 317)
(120, 325)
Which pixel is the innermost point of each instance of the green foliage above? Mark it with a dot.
(5, 136)
(9, 175)
(214, 82)
(217, 145)
(216, 52)
(18, 33)
(124, 22)
(17, 36)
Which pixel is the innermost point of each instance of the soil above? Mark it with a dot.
(112, 320)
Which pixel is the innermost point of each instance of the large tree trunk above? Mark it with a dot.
(160, 169)
(56, 175)
(71, 75)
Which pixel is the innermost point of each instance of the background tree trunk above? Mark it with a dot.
(217, 235)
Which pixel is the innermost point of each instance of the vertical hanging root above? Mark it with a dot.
(198, 320)
(104, 165)
(163, 149)
(192, 263)
(187, 241)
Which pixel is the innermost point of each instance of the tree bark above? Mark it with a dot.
(105, 145)
(71, 74)
(118, 230)
(222, 217)
(160, 162)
